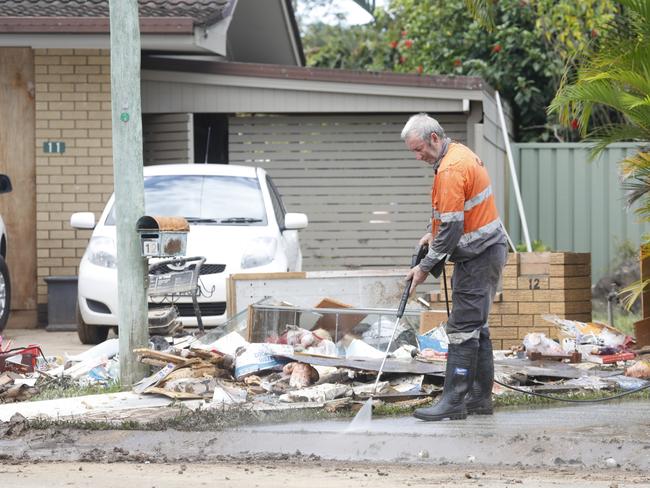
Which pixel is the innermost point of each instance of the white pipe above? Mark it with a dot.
(513, 173)
(512, 244)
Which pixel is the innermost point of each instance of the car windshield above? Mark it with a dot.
(209, 199)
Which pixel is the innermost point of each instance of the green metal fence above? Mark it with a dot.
(573, 204)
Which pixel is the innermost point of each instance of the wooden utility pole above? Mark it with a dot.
(129, 184)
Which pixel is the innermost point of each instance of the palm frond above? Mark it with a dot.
(603, 136)
(631, 293)
(483, 11)
(636, 185)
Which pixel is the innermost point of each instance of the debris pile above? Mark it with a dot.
(335, 366)
(278, 356)
(25, 371)
(592, 342)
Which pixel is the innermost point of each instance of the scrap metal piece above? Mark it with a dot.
(391, 366)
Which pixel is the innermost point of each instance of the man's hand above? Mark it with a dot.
(426, 239)
(418, 277)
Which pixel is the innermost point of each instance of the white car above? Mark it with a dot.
(237, 222)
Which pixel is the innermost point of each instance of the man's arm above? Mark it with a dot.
(452, 219)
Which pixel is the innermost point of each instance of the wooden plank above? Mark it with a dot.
(343, 138)
(339, 165)
(370, 182)
(262, 156)
(160, 136)
(396, 243)
(353, 263)
(390, 365)
(370, 237)
(370, 123)
(398, 253)
(364, 226)
(405, 199)
(231, 291)
(17, 159)
(325, 175)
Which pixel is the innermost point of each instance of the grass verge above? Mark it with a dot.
(183, 419)
(66, 388)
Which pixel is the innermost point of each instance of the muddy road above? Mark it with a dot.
(285, 473)
(603, 444)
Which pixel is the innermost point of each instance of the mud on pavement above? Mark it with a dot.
(614, 437)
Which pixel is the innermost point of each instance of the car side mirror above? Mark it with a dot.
(82, 220)
(5, 184)
(295, 221)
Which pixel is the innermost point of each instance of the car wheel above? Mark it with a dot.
(90, 334)
(5, 294)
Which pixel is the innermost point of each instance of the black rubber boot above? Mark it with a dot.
(459, 375)
(479, 399)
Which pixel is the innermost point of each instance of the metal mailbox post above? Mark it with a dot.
(166, 237)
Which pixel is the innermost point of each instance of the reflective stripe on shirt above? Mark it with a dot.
(473, 202)
(452, 217)
(479, 233)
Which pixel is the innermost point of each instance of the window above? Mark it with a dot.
(227, 200)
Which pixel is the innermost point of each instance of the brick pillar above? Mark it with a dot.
(535, 284)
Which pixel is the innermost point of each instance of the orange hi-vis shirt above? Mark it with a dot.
(462, 192)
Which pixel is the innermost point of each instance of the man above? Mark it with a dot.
(465, 228)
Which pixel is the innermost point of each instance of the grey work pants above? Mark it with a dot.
(474, 285)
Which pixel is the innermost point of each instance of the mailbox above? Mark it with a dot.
(162, 236)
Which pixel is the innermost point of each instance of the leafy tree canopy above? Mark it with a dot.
(614, 76)
(523, 54)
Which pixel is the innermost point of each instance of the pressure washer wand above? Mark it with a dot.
(415, 260)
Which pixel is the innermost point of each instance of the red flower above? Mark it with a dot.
(404, 33)
(393, 44)
(408, 43)
(496, 48)
(402, 59)
(457, 62)
(419, 69)
(575, 124)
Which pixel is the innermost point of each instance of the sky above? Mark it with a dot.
(354, 13)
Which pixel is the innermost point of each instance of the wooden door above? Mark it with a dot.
(17, 160)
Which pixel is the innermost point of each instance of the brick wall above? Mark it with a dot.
(559, 285)
(73, 105)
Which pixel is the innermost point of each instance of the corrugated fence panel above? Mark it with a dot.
(574, 204)
(167, 138)
(367, 198)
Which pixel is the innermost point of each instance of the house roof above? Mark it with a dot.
(56, 15)
(258, 70)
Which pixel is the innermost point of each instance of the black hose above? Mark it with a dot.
(571, 400)
(444, 279)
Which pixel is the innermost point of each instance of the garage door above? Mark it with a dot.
(367, 198)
